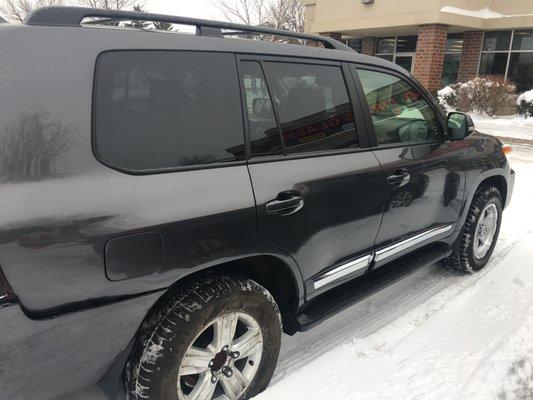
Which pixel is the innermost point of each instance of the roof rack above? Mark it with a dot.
(73, 16)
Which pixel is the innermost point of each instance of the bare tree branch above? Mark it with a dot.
(17, 10)
(109, 4)
(283, 14)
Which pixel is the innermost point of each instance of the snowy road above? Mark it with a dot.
(434, 335)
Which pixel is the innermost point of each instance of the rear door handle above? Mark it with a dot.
(399, 178)
(286, 203)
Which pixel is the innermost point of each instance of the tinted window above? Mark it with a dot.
(497, 41)
(451, 68)
(157, 110)
(265, 138)
(399, 112)
(406, 44)
(405, 61)
(523, 40)
(356, 44)
(313, 106)
(493, 63)
(385, 45)
(521, 70)
(454, 43)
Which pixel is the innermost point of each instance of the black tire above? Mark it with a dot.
(152, 370)
(463, 256)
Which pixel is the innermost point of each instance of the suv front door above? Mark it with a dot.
(422, 171)
(318, 191)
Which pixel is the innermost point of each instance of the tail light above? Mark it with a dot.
(507, 149)
(6, 293)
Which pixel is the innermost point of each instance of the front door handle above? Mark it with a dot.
(399, 178)
(286, 203)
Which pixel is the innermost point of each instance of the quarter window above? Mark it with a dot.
(399, 112)
(165, 109)
(314, 109)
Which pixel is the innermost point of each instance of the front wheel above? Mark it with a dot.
(218, 339)
(479, 235)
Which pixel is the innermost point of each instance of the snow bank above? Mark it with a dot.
(526, 96)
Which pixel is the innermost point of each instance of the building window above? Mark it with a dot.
(398, 49)
(452, 58)
(509, 53)
(356, 44)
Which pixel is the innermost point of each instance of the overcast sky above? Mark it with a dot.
(185, 8)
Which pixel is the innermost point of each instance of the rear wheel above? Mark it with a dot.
(479, 235)
(218, 339)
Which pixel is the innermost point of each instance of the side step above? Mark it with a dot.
(349, 293)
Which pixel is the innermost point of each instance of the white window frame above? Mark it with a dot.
(395, 54)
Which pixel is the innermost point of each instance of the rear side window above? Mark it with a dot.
(166, 109)
(314, 109)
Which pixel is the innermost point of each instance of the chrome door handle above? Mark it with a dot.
(400, 177)
(285, 203)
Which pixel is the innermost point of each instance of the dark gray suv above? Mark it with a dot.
(170, 203)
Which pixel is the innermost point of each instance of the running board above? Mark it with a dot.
(349, 293)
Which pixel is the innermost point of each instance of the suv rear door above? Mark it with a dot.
(318, 188)
(422, 171)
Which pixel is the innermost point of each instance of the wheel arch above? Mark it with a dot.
(270, 271)
(494, 177)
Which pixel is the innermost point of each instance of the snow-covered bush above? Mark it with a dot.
(524, 104)
(484, 95)
(447, 96)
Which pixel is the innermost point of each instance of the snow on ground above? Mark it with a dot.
(514, 127)
(437, 335)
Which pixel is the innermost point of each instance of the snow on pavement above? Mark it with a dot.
(469, 340)
(515, 127)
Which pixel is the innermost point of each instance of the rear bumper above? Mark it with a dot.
(43, 359)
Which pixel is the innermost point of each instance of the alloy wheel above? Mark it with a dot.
(223, 359)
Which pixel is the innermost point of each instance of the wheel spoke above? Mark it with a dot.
(235, 385)
(224, 330)
(204, 389)
(248, 344)
(196, 361)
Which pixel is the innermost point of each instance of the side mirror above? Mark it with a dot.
(460, 125)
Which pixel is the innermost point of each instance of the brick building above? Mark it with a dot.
(439, 41)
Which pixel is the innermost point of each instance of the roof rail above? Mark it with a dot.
(73, 16)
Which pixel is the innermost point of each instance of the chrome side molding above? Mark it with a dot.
(358, 265)
(412, 241)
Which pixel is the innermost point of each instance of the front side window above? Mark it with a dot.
(398, 110)
(165, 109)
(314, 109)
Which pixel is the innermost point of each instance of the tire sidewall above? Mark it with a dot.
(189, 317)
(485, 197)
